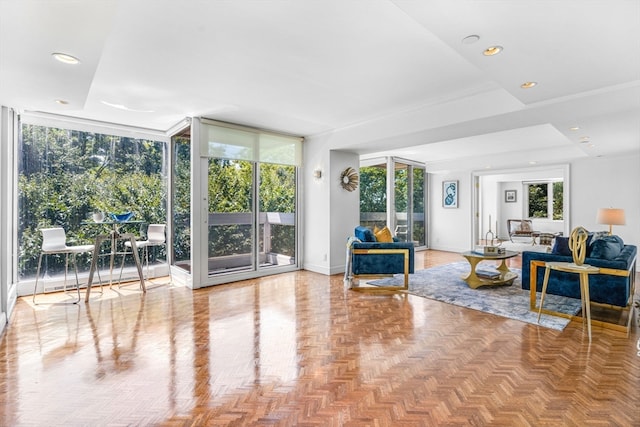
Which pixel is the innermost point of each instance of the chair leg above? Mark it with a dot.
(146, 259)
(35, 287)
(168, 264)
(66, 271)
(75, 268)
(98, 271)
(124, 257)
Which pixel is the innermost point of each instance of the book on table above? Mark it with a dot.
(488, 274)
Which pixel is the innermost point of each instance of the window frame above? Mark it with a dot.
(550, 199)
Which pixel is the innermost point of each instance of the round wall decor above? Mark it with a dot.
(349, 179)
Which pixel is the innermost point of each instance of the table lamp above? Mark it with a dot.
(611, 217)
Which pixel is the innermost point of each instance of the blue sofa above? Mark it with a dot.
(366, 257)
(614, 285)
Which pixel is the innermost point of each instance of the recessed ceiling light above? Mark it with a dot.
(492, 50)
(470, 39)
(61, 102)
(533, 162)
(584, 139)
(65, 58)
(528, 85)
(575, 128)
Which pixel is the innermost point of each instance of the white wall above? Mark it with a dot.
(608, 182)
(345, 209)
(511, 210)
(330, 212)
(450, 229)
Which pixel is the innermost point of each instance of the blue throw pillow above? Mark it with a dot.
(607, 247)
(593, 236)
(364, 234)
(561, 247)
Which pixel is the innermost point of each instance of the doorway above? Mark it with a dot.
(503, 195)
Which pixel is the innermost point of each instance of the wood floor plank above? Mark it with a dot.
(298, 349)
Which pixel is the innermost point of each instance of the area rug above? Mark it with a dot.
(444, 283)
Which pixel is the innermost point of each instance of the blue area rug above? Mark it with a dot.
(444, 283)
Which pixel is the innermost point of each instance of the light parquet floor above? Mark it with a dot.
(299, 350)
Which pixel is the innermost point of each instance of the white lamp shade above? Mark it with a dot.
(610, 216)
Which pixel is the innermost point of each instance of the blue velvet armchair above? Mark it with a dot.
(368, 258)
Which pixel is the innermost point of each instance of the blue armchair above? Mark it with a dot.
(368, 258)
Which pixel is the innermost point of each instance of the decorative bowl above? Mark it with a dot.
(121, 217)
(98, 217)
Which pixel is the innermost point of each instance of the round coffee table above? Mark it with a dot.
(504, 276)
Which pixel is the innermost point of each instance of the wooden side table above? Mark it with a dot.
(584, 271)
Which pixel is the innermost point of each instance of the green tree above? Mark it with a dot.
(538, 201)
(558, 200)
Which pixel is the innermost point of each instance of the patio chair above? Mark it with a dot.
(54, 242)
(155, 237)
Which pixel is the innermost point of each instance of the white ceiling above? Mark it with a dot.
(370, 76)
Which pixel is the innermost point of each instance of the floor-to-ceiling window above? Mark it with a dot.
(65, 175)
(392, 193)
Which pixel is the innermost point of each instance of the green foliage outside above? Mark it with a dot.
(373, 197)
(558, 200)
(64, 176)
(277, 193)
(182, 199)
(539, 200)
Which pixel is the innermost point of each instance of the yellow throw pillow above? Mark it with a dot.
(384, 235)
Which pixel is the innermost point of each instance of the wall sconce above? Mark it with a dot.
(317, 174)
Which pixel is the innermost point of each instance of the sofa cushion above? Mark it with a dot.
(606, 247)
(561, 246)
(364, 234)
(384, 235)
(593, 237)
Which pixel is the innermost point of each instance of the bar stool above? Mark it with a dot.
(54, 242)
(155, 237)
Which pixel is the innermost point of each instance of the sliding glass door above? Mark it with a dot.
(251, 197)
(277, 215)
(231, 231)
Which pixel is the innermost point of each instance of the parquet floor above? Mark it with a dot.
(299, 350)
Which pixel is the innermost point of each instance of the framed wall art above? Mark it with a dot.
(510, 196)
(449, 194)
